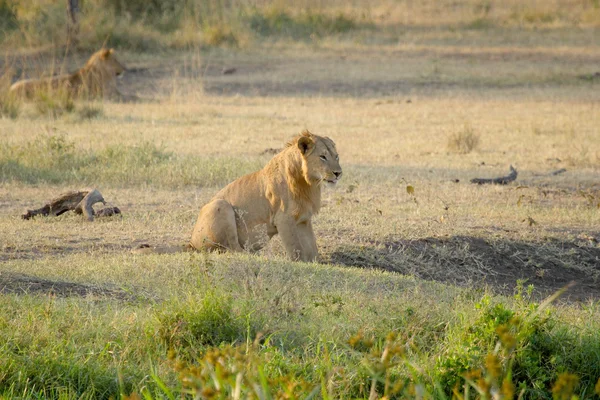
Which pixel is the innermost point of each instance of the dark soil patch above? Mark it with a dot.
(36, 253)
(13, 283)
(498, 264)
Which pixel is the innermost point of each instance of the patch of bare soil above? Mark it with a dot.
(14, 283)
(497, 263)
(61, 248)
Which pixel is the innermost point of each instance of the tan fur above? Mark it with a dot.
(279, 199)
(98, 78)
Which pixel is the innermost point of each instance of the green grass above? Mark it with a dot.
(143, 26)
(253, 317)
(276, 21)
(55, 159)
(55, 347)
(10, 105)
(54, 103)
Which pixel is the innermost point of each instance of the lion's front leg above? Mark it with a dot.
(308, 240)
(298, 238)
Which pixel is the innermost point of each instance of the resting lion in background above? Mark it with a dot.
(98, 78)
(283, 196)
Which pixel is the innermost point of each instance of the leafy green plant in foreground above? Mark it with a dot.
(504, 361)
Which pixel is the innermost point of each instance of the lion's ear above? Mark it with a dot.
(106, 53)
(305, 144)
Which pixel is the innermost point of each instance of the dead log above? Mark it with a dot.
(503, 180)
(80, 201)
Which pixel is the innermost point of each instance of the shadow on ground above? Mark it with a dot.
(14, 283)
(472, 261)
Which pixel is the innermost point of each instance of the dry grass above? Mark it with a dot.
(463, 141)
(389, 101)
(143, 26)
(10, 105)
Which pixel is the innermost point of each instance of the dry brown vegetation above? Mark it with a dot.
(420, 98)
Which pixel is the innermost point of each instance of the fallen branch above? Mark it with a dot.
(80, 201)
(498, 181)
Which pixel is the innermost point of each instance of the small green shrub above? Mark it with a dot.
(474, 342)
(218, 34)
(38, 22)
(209, 321)
(10, 104)
(143, 8)
(122, 32)
(54, 103)
(276, 21)
(8, 16)
(524, 350)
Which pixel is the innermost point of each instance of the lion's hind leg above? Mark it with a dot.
(216, 228)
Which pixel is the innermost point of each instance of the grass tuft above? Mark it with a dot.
(90, 111)
(54, 103)
(8, 15)
(463, 141)
(10, 104)
(218, 35)
(195, 323)
(274, 21)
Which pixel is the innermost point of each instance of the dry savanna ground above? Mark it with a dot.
(396, 113)
(414, 116)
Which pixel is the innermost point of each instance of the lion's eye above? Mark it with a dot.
(337, 158)
(324, 158)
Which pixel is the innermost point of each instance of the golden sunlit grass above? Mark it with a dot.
(407, 244)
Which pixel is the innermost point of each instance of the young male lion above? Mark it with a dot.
(97, 78)
(283, 196)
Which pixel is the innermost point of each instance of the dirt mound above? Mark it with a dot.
(462, 260)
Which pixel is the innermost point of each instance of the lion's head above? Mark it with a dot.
(105, 62)
(320, 159)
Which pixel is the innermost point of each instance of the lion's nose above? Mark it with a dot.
(338, 174)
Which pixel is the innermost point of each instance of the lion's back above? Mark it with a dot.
(28, 87)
